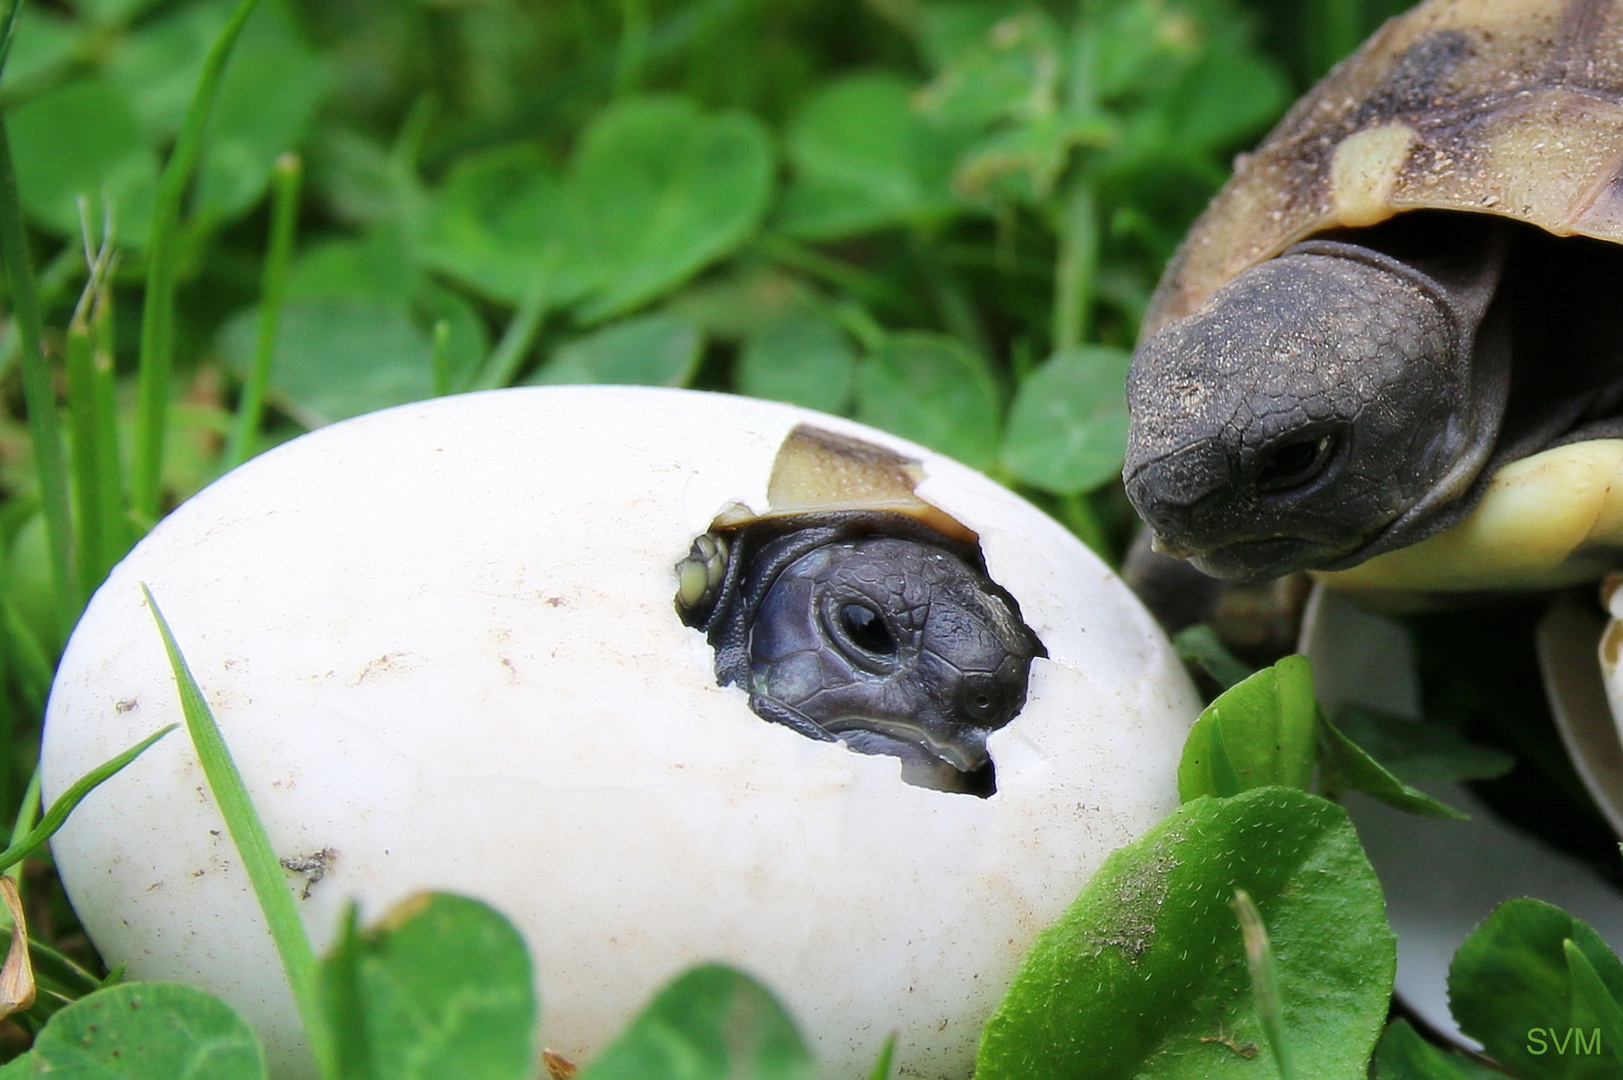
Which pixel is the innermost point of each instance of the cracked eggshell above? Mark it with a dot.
(440, 642)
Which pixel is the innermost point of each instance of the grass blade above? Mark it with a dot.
(509, 354)
(69, 799)
(158, 312)
(28, 811)
(1259, 955)
(43, 423)
(286, 180)
(26, 655)
(1225, 778)
(116, 534)
(1077, 222)
(60, 977)
(270, 884)
(88, 455)
(887, 1054)
(442, 358)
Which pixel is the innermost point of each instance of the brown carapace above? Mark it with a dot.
(1506, 107)
(1413, 282)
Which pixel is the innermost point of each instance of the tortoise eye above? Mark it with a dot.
(1294, 463)
(866, 629)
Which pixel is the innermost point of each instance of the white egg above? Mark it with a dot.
(441, 643)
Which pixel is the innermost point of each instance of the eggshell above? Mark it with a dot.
(440, 641)
(1443, 878)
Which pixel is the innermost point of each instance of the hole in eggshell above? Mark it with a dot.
(940, 657)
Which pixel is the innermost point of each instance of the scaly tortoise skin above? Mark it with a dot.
(1398, 324)
(853, 610)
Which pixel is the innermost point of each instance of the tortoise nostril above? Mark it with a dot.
(981, 699)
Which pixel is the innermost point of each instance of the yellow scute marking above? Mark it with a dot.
(1365, 169)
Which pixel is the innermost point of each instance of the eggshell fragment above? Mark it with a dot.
(441, 643)
(1443, 878)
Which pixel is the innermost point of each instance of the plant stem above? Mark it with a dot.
(254, 847)
(1078, 263)
(9, 10)
(1259, 956)
(26, 656)
(97, 487)
(44, 425)
(952, 303)
(1078, 514)
(442, 357)
(28, 811)
(863, 284)
(859, 323)
(285, 183)
(516, 341)
(404, 180)
(633, 52)
(116, 535)
(86, 453)
(158, 313)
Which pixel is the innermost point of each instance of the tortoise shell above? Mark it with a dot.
(1506, 107)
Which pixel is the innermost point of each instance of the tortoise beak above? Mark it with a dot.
(1169, 547)
(959, 745)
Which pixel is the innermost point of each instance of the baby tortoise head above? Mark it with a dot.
(1322, 407)
(868, 627)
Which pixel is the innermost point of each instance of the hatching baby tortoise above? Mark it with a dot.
(853, 610)
(1415, 282)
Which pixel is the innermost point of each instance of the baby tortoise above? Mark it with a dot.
(855, 611)
(1399, 323)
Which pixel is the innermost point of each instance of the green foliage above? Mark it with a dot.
(148, 1031)
(84, 141)
(1266, 729)
(649, 350)
(659, 190)
(944, 218)
(803, 358)
(1145, 975)
(1200, 645)
(440, 988)
(57, 815)
(1259, 732)
(259, 860)
(1068, 426)
(1348, 767)
(865, 158)
(1259, 957)
(1404, 1055)
(268, 97)
(934, 390)
(1417, 752)
(497, 224)
(712, 1023)
(1532, 979)
(338, 357)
